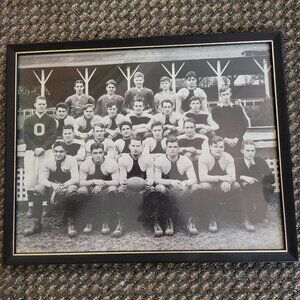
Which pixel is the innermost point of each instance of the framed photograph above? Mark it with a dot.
(148, 150)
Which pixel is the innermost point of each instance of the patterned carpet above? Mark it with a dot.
(42, 21)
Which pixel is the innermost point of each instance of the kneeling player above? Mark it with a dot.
(174, 178)
(218, 181)
(99, 178)
(58, 176)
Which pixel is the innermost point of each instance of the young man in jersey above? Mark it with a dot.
(135, 164)
(156, 144)
(185, 94)
(231, 120)
(218, 181)
(77, 102)
(83, 125)
(164, 94)
(203, 119)
(139, 119)
(113, 120)
(99, 178)
(74, 147)
(99, 137)
(256, 179)
(101, 107)
(168, 117)
(39, 133)
(122, 144)
(59, 177)
(140, 91)
(62, 118)
(175, 179)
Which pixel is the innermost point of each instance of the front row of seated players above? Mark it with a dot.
(171, 194)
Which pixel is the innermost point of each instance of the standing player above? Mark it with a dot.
(62, 117)
(77, 102)
(185, 94)
(39, 134)
(141, 92)
(122, 144)
(58, 176)
(83, 125)
(174, 178)
(99, 178)
(231, 120)
(203, 119)
(256, 180)
(218, 181)
(164, 94)
(131, 165)
(101, 107)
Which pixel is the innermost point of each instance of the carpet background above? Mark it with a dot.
(42, 21)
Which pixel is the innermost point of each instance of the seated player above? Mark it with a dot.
(113, 120)
(164, 94)
(218, 181)
(185, 94)
(99, 178)
(101, 107)
(168, 117)
(122, 144)
(155, 145)
(174, 178)
(203, 119)
(58, 176)
(62, 118)
(141, 92)
(74, 147)
(256, 179)
(139, 119)
(231, 120)
(83, 125)
(131, 165)
(98, 132)
(79, 100)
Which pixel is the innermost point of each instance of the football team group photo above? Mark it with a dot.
(134, 150)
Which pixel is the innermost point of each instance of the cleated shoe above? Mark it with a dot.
(88, 228)
(170, 228)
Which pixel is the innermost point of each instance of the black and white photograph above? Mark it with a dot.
(150, 149)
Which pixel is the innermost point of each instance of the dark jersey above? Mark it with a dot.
(39, 132)
(101, 108)
(174, 173)
(99, 174)
(88, 126)
(139, 120)
(185, 106)
(158, 148)
(216, 170)
(136, 170)
(145, 93)
(76, 104)
(195, 142)
(199, 118)
(72, 149)
(59, 176)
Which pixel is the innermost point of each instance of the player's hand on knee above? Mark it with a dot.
(100, 182)
(176, 184)
(97, 189)
(58, 188)
(225, 186)
(38, 151)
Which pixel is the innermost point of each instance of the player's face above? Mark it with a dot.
(249, 151)
(112, 111)
(138, 107)
(225, 97)
(88, 113)
(59, 153)
(167, 108)
(61, 113)
(40, 106)
(68, 135)
(79, 88)
(135, 147)
(99, 133)
(98, 155)
(111, 89)
(165, 85)
(138, 81)
(172, 149)
(195, 105)
(126, 131)
(217, 149)
(191, 82)
(190, 129)
(157, 132)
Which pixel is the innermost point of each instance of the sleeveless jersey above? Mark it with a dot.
(174, 173)
(199, 118)
(87, 128)
(139, 120)
(158, 148)
(72, 149)
(98, 174)
(136, 170)
(58, 175)
(185, 106)
(216, 170)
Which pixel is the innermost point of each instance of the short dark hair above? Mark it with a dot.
(59, 143)
(68, 126)
(79, 81)
(101, 125)
(40, 98)
(125, 123)
(171, 139)
(191, 120)
(110, 81)
(165, 78)
(137, 138)
(97, 145)
(167, 101)
(111, 104)
(139, 98)
(215, 139)
(138, 74)
(156, 124)
(247, 142)
(224, 88)
(61, 105)
(88, 106)
(190, 74)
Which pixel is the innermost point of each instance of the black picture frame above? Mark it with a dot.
(290, 251)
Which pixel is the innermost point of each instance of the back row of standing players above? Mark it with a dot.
(169, 139)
